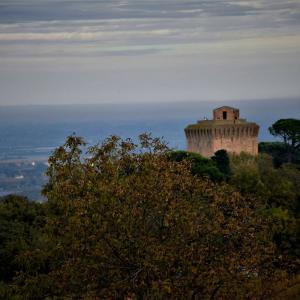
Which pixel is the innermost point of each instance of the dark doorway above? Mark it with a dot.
(224, 115)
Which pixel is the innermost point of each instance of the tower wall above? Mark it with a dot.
(200, 141)
(236, 139)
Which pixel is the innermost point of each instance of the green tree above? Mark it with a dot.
(125, 221)
(288, 231)
(276, 149)
(200, 165)
(289, 131)
(19, 220)
(222, 160)
(20, 225)
(278, 189)
(246, 176)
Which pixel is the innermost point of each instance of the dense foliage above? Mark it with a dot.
(279, 189)
(127, 221)
(289, 131)
(278, 151)
(221, 158)
(19, 219)
(200, 166)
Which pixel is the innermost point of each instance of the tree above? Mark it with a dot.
(289, 131)
(19, 221)
(126, 222)
(277, 150)
(279, 189)
(200, 166)
(222, 160)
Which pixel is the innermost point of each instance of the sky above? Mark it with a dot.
(138, 51)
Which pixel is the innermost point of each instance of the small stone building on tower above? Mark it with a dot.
(226, 131)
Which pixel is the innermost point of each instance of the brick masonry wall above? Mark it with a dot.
(236, 145)
(199, 141)
(232, 114)
(234, 139)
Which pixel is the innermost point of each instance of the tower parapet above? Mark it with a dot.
(226, 131)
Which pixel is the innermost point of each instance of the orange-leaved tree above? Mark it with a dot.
(126, 222)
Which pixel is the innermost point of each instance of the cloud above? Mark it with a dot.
(46, 10)
(172, 48)
(82, 35)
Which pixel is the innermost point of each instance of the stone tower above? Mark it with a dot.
(226, 131)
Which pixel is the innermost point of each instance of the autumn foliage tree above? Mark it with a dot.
(126, 222)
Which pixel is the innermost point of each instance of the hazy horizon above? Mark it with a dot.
(101, 120)
(179, 101)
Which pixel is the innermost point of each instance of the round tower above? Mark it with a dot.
(226, 131)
